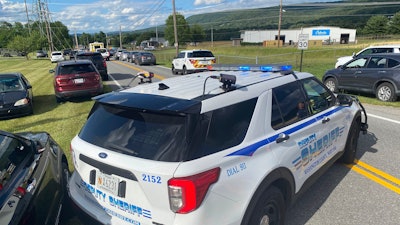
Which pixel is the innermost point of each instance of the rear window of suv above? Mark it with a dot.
(93, 57)
(200, 54)
(76, 69)
(167, 137)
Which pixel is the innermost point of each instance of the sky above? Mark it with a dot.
(93, 16)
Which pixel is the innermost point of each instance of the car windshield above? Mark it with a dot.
(76, 69)
(10, 83)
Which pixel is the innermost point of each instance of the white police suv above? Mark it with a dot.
(233, 145)
(190, 61)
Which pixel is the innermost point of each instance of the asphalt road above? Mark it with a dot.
(367, 192)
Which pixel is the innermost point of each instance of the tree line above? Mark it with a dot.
(28, 38)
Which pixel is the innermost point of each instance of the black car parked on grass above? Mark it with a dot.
(33, 179)
(377, 74)
(98, 61)
(16, 96)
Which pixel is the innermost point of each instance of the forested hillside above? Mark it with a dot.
(346, 14)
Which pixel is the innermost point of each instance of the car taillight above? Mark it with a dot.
(192, 61)
(61, 80)
(20, 192)
(187, 193)
(105, 63)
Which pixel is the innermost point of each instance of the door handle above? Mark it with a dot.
(325, 120)
(282, 138)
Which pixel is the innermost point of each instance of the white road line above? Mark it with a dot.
(383, 118)
(115, 81)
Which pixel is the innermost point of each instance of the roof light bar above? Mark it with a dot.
(250, 67)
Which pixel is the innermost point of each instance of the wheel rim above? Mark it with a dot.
(271, 214)
(384, 93)
(330, 85)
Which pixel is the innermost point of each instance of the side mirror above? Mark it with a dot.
(344, 100)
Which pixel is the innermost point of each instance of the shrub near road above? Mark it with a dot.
(61, 121)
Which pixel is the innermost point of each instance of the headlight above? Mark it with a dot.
(23, 101)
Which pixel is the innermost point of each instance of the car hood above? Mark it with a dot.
(11, 97)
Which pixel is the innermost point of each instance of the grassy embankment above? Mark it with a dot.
(63, 121)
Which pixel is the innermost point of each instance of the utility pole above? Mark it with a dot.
(175, 30)
(120, 38)
(212, 37)
(279, 23)
(27, 18)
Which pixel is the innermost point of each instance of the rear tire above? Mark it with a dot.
(385, 92)
(270, 208)
(174, 72)
(184, 70)
(352, 142)
(331, 84)
(59, 100)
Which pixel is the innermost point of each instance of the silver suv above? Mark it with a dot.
(239, 141)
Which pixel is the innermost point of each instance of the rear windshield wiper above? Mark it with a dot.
(121, 149)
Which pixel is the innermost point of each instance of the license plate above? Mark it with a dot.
(108, 183)
(204, 62)
(78, 81)
(148, 57)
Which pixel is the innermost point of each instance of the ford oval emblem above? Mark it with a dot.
(103, 155)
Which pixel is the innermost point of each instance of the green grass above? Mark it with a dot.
(63, 121)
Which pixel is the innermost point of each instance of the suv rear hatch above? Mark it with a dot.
(125, 168)
(202, 57)
(77, 77)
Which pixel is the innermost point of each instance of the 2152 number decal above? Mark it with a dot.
(151, 178)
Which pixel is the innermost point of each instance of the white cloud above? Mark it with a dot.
(127, 10)
(206, 2)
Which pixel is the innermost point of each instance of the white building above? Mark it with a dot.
(325, 34)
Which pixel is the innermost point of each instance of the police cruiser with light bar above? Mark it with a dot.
(232, 145)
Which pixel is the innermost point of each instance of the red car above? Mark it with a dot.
(76, 79)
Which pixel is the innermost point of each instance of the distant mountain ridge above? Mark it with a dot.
(345, 14)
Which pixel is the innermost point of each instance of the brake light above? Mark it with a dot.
(61, 80)
(187, 193)
(104, 63)
(192, 61)
(20, 192)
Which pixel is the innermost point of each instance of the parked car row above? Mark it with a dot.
(137, 57)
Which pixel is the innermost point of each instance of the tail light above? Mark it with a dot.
(104, 63)
(61, 80)
(20, 192)
(187, 193)
(192, 61)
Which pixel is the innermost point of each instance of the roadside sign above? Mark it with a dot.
(303, 42)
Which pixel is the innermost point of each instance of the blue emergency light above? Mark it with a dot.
(251, 67)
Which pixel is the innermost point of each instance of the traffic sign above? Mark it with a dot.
(303, 41)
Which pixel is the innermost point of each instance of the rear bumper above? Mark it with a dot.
(79, 93)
